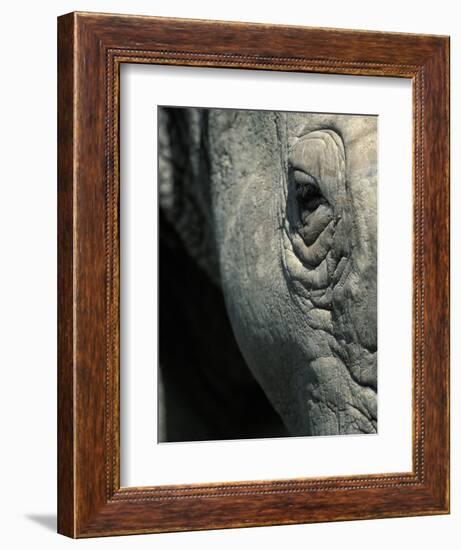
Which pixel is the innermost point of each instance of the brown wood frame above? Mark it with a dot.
(91, 49)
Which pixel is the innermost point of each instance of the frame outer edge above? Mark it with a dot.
(437, 264)
(85, 507)
(66, 524)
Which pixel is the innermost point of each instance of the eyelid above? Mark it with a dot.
(303, 177)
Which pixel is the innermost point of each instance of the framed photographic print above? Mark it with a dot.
(253, 275)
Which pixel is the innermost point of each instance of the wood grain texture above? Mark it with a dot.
(66, 487)
(91, 48)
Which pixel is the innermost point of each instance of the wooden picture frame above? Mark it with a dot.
(91, 48)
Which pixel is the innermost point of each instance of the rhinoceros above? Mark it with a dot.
(268, 273)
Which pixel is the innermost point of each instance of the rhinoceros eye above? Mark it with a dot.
(308, 193)
(316, 192)
(314, 212)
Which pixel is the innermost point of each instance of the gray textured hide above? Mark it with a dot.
(280, 209)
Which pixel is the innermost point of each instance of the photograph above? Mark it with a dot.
(267, 290)
(227, 315)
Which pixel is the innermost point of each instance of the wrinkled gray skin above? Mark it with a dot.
(280, 209)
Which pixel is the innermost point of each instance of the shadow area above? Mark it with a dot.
(209, 393)
(47, 521)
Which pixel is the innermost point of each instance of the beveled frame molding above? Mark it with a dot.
(91, 48)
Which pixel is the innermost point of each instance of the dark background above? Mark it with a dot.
(209, 392)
